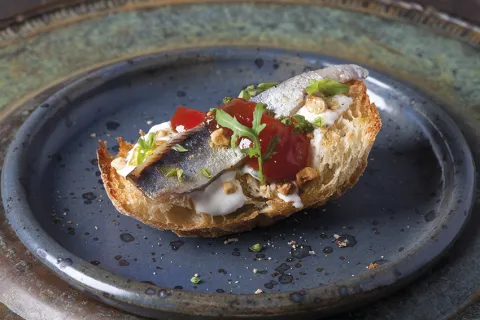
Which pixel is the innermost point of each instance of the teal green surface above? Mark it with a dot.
(440, 65)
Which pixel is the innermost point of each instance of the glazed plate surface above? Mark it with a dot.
(407, 208)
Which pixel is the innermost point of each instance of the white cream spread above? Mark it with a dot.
(214, 201)
(246, 169)
(316, 150)
(293, 197)
(339, 104)
(179, 129)
(165, 127)
(128, 168)
(125, 171)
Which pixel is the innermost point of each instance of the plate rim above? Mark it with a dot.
(271, 303)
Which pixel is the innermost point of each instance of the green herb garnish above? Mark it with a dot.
(179, 148)
(271, 148)
(146, 146)
(265, 86)
(175, 172)
(318, 122)
(301, 124)
(195, 279)
(286, 121)
(206, 173)
(179, 174)
(256, 247)
(250, 90)
(225, 100)
(326, 87)
(239, 131)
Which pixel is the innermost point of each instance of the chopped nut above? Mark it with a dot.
(259, 291)
(219, 138)
(161, 133)
(196, 275)
(344, 240)
(333, 104)
(341, 244)
(373, 266)
(286, 188)
(315, 105)
(265, 190)
(305, 175)
(229, 187)
(119, 163)
(255, 270)
(141, 132)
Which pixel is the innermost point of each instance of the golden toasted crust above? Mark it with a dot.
(345, 148)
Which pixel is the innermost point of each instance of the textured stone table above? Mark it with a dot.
(465, 9)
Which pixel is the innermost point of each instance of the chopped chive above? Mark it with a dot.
(206, 173)
(256, 247)
(286, 121)
(175, 172)
(318, 122)
(179, 148)
(195, 279)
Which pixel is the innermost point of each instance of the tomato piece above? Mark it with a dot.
(238, 108)
(292, 151)
(188, 118)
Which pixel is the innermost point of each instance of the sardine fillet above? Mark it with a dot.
(345, 146)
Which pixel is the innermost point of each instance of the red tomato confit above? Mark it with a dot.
(291, 153)
(188, 118)
(292, 150)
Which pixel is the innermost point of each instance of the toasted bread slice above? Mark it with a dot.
(345, 148)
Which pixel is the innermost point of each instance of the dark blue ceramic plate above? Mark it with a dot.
(409, 206)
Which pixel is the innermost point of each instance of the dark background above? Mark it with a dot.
(466, 9)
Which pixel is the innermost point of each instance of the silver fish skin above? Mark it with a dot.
(153, 180)
(284, 100)
(287, 97)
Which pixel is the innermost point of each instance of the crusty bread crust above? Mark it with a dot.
(345, 146)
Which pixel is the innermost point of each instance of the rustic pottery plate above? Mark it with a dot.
(407, 209)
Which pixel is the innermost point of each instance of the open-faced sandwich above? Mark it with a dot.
(274, 150)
